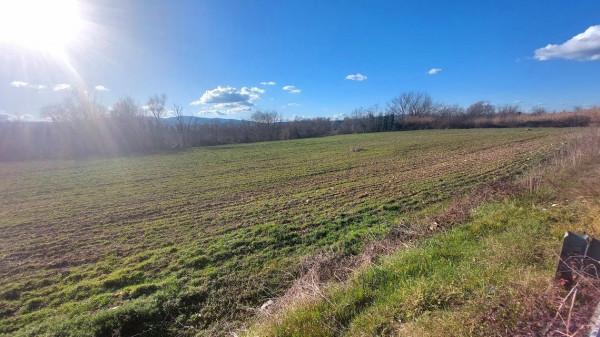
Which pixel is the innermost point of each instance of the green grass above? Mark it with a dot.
(445, 286)
(192, 242)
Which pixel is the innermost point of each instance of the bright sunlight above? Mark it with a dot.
(41, 25)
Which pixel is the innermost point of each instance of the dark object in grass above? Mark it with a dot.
(580, 256)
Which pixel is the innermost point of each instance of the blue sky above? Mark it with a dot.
(215, 54)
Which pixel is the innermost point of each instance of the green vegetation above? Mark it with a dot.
(491, 276)
(193, 242)
(447, 285)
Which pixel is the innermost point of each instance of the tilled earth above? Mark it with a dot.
(80, 237)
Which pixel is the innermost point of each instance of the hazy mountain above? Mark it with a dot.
(204, 120)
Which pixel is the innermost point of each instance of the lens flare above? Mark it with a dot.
(41, 25)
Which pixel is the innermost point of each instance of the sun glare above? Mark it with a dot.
(42, 25)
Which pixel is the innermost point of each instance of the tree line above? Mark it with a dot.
(81, 127)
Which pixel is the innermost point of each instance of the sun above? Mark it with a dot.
(43, 25)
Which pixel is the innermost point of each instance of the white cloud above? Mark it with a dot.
(356, 77)
(222, 109)
(61, 87)
(291, 89)
(208, 112)
(230, 95)
(268, 83)
(32, 118)
(224, 100)
(293, 104)
(100, 87)
(6, 117)
(19, 84)
(254, 93)
(434, 71)
(22, 84)
(168, 114)
(339, 116)
(583, 47)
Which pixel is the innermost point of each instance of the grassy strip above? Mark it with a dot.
(473, 280)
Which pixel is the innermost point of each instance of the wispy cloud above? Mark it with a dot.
(338, 116)
(434, 71)
(583, 47)
(268, 83)
(293, 104)
(100, 87)
(19, 84)
(291, 89)
(23, 84)
(61, 87)
(32, 118)
(7, 117)
(356, 77)
(169, 113)
(222, 109)
(228, 100)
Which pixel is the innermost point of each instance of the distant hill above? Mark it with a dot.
(204, 121)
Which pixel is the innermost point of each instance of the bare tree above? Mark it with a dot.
(449, 115)
(481, 108)
(538, 110)
(178, 111)
(266, 117)
(156, 106)
(61, 112)
(125, 108)
(411, 104)
(509, 110)
(268, 124)
(78, 106)
(183, 128)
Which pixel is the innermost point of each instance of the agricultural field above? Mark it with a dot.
(194, 242)
(492, 273)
